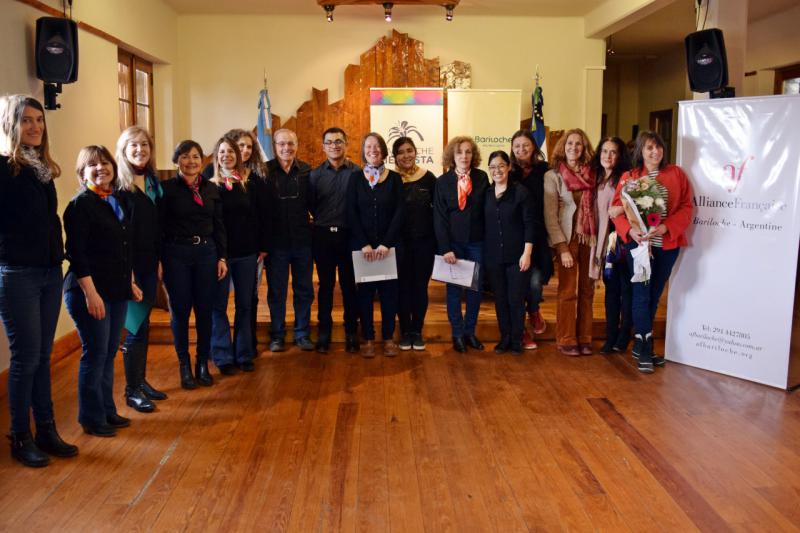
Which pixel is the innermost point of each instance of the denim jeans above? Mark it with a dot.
(148, 282)
(100, 342)
(618, 304)
(388, 292)
(30, 301)
(242, 271)
(645, 296)
(302, 267)
(465, 324)
(190, 276)
(535, 290)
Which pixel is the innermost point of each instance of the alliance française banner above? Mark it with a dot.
(414, 113)
(731, 295)
(489, 116)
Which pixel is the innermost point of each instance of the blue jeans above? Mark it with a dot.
(148, 282)
(534, 297)
(100, 342)
(190, 276)
(242, 270)
(388, 294)
(645, 296)
(30, 301)
(465, 324)
(618, 305)
(302, 266)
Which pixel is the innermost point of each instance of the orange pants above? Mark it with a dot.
(575, 295)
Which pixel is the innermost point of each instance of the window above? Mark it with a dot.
(787, 80)
(135, 79)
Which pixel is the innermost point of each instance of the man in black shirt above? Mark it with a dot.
(328, 189)
(290, 243)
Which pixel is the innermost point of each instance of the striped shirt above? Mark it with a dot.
(658, 241)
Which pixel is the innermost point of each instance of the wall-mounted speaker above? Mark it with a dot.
(56, 50)
(706, 62)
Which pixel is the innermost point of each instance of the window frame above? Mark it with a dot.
(135, 63)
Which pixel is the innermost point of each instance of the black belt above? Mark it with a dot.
(194, 239)
(331, 229)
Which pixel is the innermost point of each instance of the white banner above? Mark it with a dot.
(414, 113)
(489, 116)
(732, 292)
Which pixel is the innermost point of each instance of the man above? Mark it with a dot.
(328, 190)
(291, 243)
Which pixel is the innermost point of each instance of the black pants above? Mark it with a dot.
(388, 296)
(510, 287)
(331, 251)
(618, 304)
(414, 270)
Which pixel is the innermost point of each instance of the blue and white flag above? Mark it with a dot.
(537, 124)
(264, 129)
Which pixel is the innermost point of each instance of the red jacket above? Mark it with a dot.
(679, 205)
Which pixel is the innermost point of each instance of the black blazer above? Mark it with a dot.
(144, 215)
(375, 216)
(247, 216)
(450, 223)
(99, 245)
(509, 225)
(542, 256)
(181, 218)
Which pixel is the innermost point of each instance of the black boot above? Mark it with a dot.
(187, 379)
(48, 440)
(645, 359)
(134, 371)
(202, 374)
(24, 450)
(148, 390)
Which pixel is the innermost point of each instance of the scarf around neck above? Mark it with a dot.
(195, 188)
(107, 196)
(373, 174)
(586, 226)
(229, 178)
(464, 189)
(42, 170)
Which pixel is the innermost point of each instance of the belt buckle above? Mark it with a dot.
(334, 229)
(196, 239)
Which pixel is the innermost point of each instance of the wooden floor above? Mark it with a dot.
(429, 441)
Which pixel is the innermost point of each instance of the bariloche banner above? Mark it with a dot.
(414, 113)
(489, 116)
(731, 295)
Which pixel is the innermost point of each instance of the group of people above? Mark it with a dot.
(207, 229)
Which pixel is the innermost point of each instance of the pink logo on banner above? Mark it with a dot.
(735, 174)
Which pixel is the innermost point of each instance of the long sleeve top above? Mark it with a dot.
(291, 205)
(449, 222)
(328, 190)
(375, 215)
(419, 207)
(247, 215)
(509, 225)
(144, 214)
(30, 230)
(182, 218)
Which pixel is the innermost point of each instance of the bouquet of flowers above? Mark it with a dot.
(643, 204)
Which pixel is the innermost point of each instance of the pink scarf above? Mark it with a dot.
(464, 189)
(586, 226)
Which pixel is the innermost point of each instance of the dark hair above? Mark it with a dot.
(622, 165)
(501, 154)
(256, 163)
(381, 143)
(184, 147)
(334, 130)
(89, 155)
(641, 140)
(231, 142)
(536, 157)
(400, 142)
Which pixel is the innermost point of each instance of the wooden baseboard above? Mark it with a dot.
(62, 347)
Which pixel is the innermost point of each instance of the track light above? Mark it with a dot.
(329, 12)
(387, 11)
(449, 12)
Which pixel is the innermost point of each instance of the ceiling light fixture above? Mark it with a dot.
(387, 11)
(329, 11)
(449, 12)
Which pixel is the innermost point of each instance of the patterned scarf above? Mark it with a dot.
(413, 174)
(229, 178)
(152, 188)
(464, 189)
(107, 196)
(586, 227)
(42, 170)
(195, 188)
(373, 174)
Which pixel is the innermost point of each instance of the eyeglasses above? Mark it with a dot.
(337, 142)
(498, 167)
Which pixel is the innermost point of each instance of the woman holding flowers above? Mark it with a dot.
(662, 196)
(571, 221)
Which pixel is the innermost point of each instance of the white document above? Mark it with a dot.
(369, 271)
(464, 273)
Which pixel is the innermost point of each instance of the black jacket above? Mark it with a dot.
(509, 225)
(30, 230)
(542, 256)
(144, 215)
(247, 215)
(182, 218)
(419, 208)
(452, 224)
(375, 216)
(99, 245)
(291, 205)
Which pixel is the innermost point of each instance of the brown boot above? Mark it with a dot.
(389, 348)
(368, 350)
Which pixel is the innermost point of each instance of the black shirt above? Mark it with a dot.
(182, 218)
(534, 182)
(452, 224)
(328, 191)
(246, 212)
(99, 245)
(30, 230)
(419, 207)
(147, 232)
(375, 216)
(509, 225)
(291, 224)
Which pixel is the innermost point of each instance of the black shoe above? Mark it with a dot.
(607, 348)
(644, 361)
(24, 450)
(637, 346)
(458, 345)
(516, 348)
(247, 366)
(406, 342)
(321, 346)
(116, 421)
(473, 342)
(49, 441)
(137, 399)
(152, 393)
(503, 345)
(418, 343)
(202, 375)
(187, 379)
(304, 343)
(351, 344)
(658, 360)
(277, 345)
(103, 430)
(228, 369)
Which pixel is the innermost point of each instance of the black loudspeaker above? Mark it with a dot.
(56, 50)
(706, 61)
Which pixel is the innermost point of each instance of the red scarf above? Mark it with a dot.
(195, 188)
(586, 226)
(464, 189)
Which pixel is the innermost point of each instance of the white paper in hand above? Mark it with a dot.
(463, 272)
(369, 271)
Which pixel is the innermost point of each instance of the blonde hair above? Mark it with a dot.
(449, 155)
(12, 108)
(560, 151)
(126, 172)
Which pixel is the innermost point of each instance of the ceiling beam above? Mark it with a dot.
(613, 15)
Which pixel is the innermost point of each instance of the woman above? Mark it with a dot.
(98, 285)
(528, 167)
(139, 188)
(610, 161)
(509, 224)
(31, 252)
(244, 210)
(458, 223)
(419, 243)
(572, 230)
(193, 257)
(375, 213)
(665, 239)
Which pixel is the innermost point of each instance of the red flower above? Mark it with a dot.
(653, 220)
